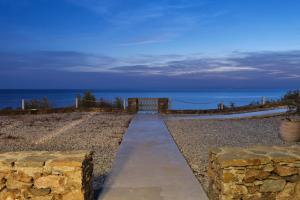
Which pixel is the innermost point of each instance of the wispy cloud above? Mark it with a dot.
(150, 20)
(251, 66)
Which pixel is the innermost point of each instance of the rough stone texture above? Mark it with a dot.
(261, 172)
(43, 175)
(101, 133)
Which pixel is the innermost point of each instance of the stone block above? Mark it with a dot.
(45, 175)
(262, 173)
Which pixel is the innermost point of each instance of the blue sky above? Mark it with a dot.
(141, 44)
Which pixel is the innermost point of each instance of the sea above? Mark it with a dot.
(180, 100)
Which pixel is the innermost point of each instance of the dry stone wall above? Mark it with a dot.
(46, 175)
(256, 173)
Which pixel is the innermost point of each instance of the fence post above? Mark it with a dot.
(76, 103)
(124, 104)
(263, 100)
(23, 104)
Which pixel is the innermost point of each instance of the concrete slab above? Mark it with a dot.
(149, 166)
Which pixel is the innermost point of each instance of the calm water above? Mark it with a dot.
(203, 99)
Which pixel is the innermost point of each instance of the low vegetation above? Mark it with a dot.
(292, 100)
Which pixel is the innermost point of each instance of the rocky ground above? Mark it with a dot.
(101, 133)
(196, 137)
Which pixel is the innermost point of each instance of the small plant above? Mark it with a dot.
(292, 100)
(38, 104)
(104, 103)
(88, 100)
(118, 103)
(232, 105)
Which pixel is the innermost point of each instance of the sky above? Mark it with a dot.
(142, 44)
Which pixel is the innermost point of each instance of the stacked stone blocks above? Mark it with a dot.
(256, 173)
(46, 175)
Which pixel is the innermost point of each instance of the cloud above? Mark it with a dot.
(152, 21)
(242, 66)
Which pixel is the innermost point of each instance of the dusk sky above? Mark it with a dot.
(143, 44)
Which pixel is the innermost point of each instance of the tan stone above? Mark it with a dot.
(50, 181)
(287, 192)
(3, 176)
(210, 173)
(7, 195)
(32, 161)
(282, 157)
(2, 185)
(252, 175)
(21, 176)
(268, 168)
(253, 189)
(258, 182)
(228, 177)
(74, 195)
(240, 159)
(30, 171)
(285, 170)
(49, 197)
(255, 196)
(13, 184)
(65, 164)
(297, 190)
(229, 188)
(40, 192)
(272, 185)
(74, 178)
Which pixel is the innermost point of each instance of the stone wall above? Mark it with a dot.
(46, 176)
(255, 173)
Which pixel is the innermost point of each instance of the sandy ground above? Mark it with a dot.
(99, 132)
(196, 137)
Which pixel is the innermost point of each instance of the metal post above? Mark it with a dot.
(23, 104)
(76, 103)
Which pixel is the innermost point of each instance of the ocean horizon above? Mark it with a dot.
(188, 99)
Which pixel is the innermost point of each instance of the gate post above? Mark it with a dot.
(133, 105)
(163, 105)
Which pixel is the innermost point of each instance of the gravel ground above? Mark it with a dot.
(196, 137)
(99, 132)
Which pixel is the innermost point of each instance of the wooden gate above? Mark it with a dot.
(148, 104)
(160, 105)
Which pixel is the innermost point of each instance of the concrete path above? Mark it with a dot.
(264, 113)
(149, 166)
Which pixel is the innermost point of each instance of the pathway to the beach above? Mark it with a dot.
(149, 166)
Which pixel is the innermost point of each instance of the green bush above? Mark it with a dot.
(87, 101)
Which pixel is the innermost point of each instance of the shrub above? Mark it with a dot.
(104, 103)
(88, 100)
(292, 100)
(118, 103)
(38, 104)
